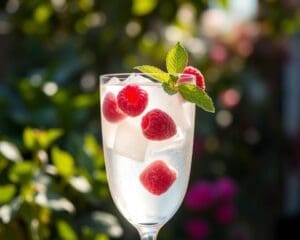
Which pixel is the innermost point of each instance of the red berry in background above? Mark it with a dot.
(200, 82)
(226, 189)
(158, 125)
(157, 178)
(225, 213)
(110, 109)
(201, 196)
(132, 100)
(198, 228)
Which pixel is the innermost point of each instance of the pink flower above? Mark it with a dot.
(225, 213)
(226, 189)
(218, 54)
(198, 229)
(230, 98)
(200, 196)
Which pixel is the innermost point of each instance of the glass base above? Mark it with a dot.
(148, 231)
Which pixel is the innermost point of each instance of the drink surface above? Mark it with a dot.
(147, 178)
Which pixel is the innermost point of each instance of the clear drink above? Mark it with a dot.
(147, 154)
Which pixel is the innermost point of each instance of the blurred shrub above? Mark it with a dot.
(46, 192)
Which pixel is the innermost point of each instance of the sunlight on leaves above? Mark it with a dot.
(7, 211)
(102, 221)
(93, 150)
(10, 151)
(43, 13)
(86, 5)
(85, 100)
(21, 172)
(65, 230)
(7, 192)
(142, 7)
(35, 139)
(63, 161)
(81, 184)
(223, 3)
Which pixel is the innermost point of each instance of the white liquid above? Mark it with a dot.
(134, 201)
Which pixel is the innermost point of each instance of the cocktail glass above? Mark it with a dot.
(147, 142)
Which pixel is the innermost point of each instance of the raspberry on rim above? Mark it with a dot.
(132, 100)
(200, 82)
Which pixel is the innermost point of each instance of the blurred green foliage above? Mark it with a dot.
(53, 183)
(46, 192)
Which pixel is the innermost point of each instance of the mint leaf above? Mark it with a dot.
(173, 79)
(224, 3)
(168, 89)
(194, 94)
(154, 72)
(177, 59)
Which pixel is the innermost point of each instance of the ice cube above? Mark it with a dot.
(157, 149)
(111, 86)
(189, 111)
(109, 133)
(136, 78)
(171, 104)
(130, 141)
(114, 80)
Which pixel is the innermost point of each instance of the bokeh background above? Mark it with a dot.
(245, 183)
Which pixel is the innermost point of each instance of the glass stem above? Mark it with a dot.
(148, 233)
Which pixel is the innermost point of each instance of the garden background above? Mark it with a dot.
(245, 179)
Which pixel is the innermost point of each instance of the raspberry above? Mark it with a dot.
(157, 178)
(110, 109)
(158, 125)
(200, 82)
(132, 100)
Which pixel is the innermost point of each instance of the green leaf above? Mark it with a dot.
(65, 230)
(52, 135)
(154, 72)
(29, 138)
(7, 192)
(177, 59)
(40, 139)
(102, 222)
(85, 100)
(46, 138)
(93, 150)
(168, 89)
(21, 172)
(192, 93)
(42, 13)
(63, 161)
(101, 236)
(142, 7)
(223, 3)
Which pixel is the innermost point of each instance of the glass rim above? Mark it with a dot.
(151, 76)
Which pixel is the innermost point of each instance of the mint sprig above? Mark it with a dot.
(176, 61)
